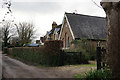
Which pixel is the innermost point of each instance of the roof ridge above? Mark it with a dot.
(84, 15)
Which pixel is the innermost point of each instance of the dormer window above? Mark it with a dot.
(65, 24)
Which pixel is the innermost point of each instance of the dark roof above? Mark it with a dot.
(84, 26)
(59, 26)
(52, 30)
(33, 45)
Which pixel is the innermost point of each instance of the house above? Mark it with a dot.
(42, 39)
(54, 33)
(37, 41)
(78, 26)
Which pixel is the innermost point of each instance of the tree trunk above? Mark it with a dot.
(112, 10)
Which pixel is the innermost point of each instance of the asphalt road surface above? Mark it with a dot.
(12, 68)
(0, 65)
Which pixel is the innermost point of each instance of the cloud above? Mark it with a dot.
(41, 7)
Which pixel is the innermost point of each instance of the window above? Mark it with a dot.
(65, 24)
(56, 38)
(68, 42)
(65, 40)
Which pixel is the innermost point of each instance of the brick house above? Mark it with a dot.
(78, 26)
(54, 33)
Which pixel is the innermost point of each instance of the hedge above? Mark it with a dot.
(49, 55)
(54, 44)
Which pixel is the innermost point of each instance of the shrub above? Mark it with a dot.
(100, 74)
(43, 56)
(5, 50)
(97, 74)
(85, 47)
(39, 55)
(75, 58)
(49, 55)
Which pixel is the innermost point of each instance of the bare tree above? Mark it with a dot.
(25, 32)
(96, 4)
(6, 33)
(7, 4)
(0, 38)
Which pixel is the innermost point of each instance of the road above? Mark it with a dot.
(15, 69)
(0, 65)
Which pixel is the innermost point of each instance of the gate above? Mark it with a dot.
(101, 57)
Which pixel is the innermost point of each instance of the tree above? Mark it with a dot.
(112, 10)
(6, 33)
(0, 38)
(25, 32)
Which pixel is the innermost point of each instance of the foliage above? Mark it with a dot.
(50, 54)
(43, 56)
(85, 47)
(97, 74)
(5, 50)
(75, 58)
(37, 55)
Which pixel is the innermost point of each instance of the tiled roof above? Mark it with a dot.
(57, 27)
(84, 26)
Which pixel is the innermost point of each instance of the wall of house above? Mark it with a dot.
(52, 37)
(92, 43)
(66, 30)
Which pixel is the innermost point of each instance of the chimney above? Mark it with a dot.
(54, 24)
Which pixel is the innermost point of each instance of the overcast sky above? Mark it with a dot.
(43, 12)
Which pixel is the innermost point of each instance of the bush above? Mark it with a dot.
(5, 50)
(75, 58)
(85, 47)
(43, 56)
(37, 55)
(97, 74)
(49, 55)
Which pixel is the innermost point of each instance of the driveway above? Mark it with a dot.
(15, 69)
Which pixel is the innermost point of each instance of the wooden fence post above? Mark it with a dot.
(98, 58)
(80, 57)
(62, 56)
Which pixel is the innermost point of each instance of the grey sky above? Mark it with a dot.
(42, 7)
(43, 12)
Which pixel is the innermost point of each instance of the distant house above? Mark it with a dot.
(78, 26)
(42, 39)
(37, 41)
(54, 33)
